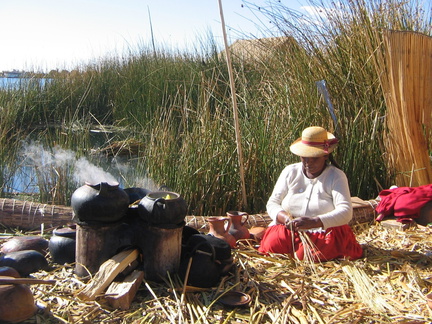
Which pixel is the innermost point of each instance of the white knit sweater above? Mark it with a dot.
(327, 196)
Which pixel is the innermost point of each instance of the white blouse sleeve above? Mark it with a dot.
(274, 203)
(342, 212)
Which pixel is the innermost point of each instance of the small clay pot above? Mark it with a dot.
(62, 245)
(25, 262)
(21, 243)
(17, 303)
(235, 299)
(219, 227)
(257, 233)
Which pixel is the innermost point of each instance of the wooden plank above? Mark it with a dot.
(106, 274)
(121, 294)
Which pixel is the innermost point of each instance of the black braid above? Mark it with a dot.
(333, 161)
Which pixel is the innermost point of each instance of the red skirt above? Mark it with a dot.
(333, 243)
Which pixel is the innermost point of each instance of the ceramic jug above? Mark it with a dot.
(219, 227)
(103, 202)
(238, 228)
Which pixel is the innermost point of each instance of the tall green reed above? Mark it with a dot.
(341, 40)
(9, 139)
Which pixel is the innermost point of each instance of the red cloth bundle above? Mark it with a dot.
(404, 202)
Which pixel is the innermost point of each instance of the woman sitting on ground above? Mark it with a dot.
(312, 196)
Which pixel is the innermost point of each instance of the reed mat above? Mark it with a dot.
(387, 285)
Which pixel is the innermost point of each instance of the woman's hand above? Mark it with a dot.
(283, 217)
(304, 223)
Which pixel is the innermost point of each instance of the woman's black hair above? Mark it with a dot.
(333, 161)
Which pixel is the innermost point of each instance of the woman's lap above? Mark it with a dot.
(333, 243)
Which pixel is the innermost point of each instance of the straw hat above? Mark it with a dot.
(315, 142)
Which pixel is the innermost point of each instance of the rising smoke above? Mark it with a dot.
(45, 161)
(55, 161)
(87, 172)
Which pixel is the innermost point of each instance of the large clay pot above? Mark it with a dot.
(62, 245)
(200, 267)
(101, 202)
(220, 248)
(162, 208)
(25, 262)
(136, 194)
(219, 227)
(17, 303)
(237, 228)
(21, 243)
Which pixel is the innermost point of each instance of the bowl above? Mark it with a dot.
(235, 298)
(429, 300)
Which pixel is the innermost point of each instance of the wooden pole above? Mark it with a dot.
(235, 109)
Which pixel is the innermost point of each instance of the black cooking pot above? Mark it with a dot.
(220, 248)
(102, 202)
(162, 208)
(203, 270)
(62, 245)
(136, 194)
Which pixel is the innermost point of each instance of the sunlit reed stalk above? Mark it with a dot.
(309, 249)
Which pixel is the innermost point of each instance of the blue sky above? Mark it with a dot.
(55, 34)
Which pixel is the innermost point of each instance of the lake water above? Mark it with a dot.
(32, 173)
(40, 168)
(15, 83)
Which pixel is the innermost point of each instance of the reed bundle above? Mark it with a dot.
(366, 290)
(407, 84)
(31, 215)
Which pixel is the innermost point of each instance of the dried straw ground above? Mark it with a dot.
(388, 285)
